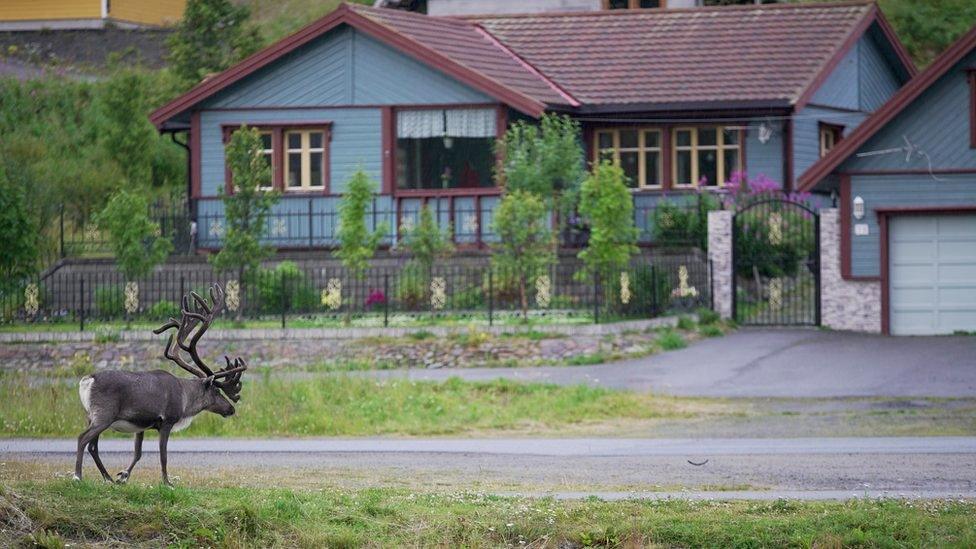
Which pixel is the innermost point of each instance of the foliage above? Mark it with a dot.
(286, 287)
(109, 301)
(681, 225)
(411, 289)
(525, 246)
(124, 130)
(707, 316)
(356, 243)
(135, 239)
(212, 36)
(928, 27)
(426, 242)
(18, 255)
(608, 207)
(670, 340)
(162, 310)
(246, 209)
(650, 291)
(544, 159)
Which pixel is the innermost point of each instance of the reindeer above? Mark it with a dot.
(134, 402)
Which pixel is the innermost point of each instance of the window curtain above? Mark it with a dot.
(446, 123)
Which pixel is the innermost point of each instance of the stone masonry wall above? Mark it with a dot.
(720, 255)
(844, 304)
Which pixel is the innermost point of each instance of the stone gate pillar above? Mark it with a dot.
(844, 304)
(720, 257)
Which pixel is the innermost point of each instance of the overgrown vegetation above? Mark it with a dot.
(136, 241)
(53, 513)
(357, 243)
(212, 36)
(525, 247)
(608, 209)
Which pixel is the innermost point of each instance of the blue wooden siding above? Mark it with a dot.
(864, 79)
(937, 122)
(765, 158)
(356, 141)
(345, 67)
(887, 191)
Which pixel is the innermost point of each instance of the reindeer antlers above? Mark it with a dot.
(194, 312)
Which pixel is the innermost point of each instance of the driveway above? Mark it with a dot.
(788, 363)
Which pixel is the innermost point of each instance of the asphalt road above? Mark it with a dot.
(809, 468)
(787, 363)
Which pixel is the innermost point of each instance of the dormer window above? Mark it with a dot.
(633, 4)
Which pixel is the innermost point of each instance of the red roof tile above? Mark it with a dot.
(682, 56)
(467, 44)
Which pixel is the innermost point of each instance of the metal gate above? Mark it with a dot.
(776, 264)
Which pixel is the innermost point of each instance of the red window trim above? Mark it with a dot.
(278, 130)
(391, 185)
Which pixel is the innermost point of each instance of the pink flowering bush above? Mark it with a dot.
(375, 297)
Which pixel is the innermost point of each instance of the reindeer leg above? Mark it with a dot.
(123, 476)
(163, 440)
(93, 450)
(93, 431)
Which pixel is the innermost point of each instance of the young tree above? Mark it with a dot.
(356, 243)
(607, 206)
(544, 158)
(213, 35)
(426, 242)
(246, 209)
(18, 255)
(135, 239)
(125, 133)
(525, 247)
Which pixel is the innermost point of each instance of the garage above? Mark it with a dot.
(932, 274)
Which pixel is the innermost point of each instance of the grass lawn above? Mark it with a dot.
(51, 513)
(339, 405)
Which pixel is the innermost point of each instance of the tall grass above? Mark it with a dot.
(336, 405)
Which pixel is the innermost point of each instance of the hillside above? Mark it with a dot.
(277, 18)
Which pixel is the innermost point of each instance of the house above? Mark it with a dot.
(32, 15)
(906, 182)
(496, 7)
(681, 99)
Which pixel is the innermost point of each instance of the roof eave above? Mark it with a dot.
(696, 106)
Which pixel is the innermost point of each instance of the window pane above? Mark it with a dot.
(294, 140)
(683, 166)
(707, 137)
(315, 140)
(629, 164)
(294, 174)
(606, 154)
(731, 162)
(267, 160)
(628, 139)
(617, 4)
(316, 169)
(730, 137)
(427, 163)
(683, 138)
(652, 170)
(266, 140)
(707, 168)
(650, 3)
(604, 140)
(652, 140)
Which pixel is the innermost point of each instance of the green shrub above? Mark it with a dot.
(675, 225)
(163, 309)
(472, 297)
(286, 286)
(412, 285)
(686, 323)
(650, 291)
(707, 316)
(710, 330)
(669, 340)
(109, 301)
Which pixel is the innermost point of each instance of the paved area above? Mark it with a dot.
(788, 363)
(809, 468)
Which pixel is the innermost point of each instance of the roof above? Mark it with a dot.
(881, 117)
(703, 55)
(721, 57)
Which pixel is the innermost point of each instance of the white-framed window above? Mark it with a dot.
(304, 160)
(705, 156)
(636, 150)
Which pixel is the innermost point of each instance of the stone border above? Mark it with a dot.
(352, 333)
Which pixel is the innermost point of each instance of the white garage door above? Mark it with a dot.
(932, 274)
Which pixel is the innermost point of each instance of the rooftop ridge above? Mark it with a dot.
(660, 11)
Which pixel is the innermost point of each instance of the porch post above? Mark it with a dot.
(720, 255)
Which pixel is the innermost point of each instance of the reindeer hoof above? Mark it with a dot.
(122, 477)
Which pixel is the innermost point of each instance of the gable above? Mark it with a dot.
(936, 122)
(865, 78)
(345, 67)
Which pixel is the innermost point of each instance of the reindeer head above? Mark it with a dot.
(196, 314)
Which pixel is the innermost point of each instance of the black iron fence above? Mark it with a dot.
(289, 292)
